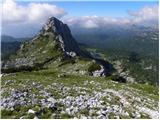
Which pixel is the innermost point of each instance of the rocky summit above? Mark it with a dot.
(53, 43)
(62, 34)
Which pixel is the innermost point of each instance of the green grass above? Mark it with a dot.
(93, 67)
(46, 77)
(65, 116)
(147, 90)
(6, 114)
(111, 115)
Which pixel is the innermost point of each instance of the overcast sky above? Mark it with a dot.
(21, 18)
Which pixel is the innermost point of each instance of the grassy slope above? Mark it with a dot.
(39, 50)
(135, 94)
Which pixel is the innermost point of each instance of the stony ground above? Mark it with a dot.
(45, 94)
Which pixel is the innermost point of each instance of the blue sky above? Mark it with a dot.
(112, 9)
(30, 16)
(99, 8)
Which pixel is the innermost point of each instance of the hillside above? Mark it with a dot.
(142, 40)
(53, 47)
(48, 94)
(8, 48)
(50, 76)
(9, 45)
(119, 46)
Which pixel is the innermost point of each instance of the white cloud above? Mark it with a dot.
(147, 12)
(95, 21)
(90, 24)
(25, 20)
(32, 12)
(148, 16)
(30, 17)
(86, 21)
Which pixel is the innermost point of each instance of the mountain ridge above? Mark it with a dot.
(54, 41)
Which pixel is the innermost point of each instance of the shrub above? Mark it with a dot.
(5, 113)
(65, 116)
(46, 113)
(133, 57)
(117, 78)
(93, 67)
(30, 116)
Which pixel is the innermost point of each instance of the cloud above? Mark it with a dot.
(86, 21)
(89, 22)
(147, 12)
(148, 16)
(33, 12)
(25, 20)
(30, 17)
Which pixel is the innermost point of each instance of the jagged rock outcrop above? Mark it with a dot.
(63, 34)
(54, 41)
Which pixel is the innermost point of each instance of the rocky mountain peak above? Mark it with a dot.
(55, 25)
(53, 44)
(62, 34)
(53, 41)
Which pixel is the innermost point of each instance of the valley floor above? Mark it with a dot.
(46, 94)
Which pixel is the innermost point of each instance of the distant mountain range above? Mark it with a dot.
(7, 38)
(9, 45)
(139, 39)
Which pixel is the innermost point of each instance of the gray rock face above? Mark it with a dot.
(67, 43)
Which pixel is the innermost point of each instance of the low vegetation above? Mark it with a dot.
(59, 91)
(93, 67)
